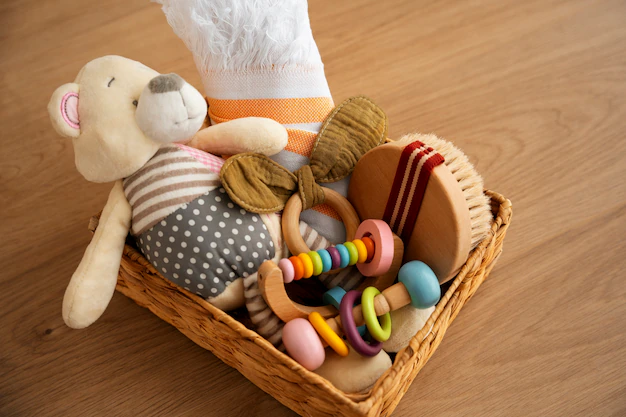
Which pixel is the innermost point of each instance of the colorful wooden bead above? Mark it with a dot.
(334, 296)
(379, 332)
(327, 261)
(286, 267)
(345, 255)
(353, 252)
(371, 248)
(382, 236)
(421, 283)
(303, 344)
(298, 268)
(361, 249)
(328, 334)
(335, 256)
(349, 327)
(318, 266)
(307, 264)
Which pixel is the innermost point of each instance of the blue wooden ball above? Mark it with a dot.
(421, 283)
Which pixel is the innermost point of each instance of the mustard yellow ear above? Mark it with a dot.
(63, 110)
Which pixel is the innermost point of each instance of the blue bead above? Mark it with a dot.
(345, 255)
(333, 297)
(327, 261)
(421, 283)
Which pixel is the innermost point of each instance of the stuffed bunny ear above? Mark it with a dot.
(63, 110)
(352, 129)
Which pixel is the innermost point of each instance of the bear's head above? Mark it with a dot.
(118, 113)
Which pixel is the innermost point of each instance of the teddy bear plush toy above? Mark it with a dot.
(128, 124)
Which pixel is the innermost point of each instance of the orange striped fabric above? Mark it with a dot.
(283, 110)
(300, 141)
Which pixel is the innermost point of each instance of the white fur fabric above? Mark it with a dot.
(240, 35)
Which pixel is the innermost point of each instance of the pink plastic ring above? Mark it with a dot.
(381, 234)
(286, 266)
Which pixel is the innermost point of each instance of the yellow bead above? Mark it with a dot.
(362, 249)
(308, 265)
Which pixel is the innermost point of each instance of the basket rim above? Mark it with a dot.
(361, 402)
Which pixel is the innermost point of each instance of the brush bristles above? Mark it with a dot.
(469, 180)
(244, 35)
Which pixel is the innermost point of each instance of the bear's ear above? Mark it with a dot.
(63, 110)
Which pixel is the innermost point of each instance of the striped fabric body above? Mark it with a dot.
(175, 175)
(409, 185)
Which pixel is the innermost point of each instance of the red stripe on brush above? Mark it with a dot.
(416, 202)
(397, 181)
(404, 202)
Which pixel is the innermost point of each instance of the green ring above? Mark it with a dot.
(353, 251)
(318, 265)
(379, 333)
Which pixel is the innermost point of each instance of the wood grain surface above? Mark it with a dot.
(534, 91)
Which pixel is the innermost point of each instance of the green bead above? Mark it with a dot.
(318, 265)
(353, 251)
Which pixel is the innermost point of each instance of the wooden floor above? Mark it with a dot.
(535, 93)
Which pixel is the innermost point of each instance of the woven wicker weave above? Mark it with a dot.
(277, 374)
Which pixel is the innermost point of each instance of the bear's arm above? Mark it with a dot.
(93, 283)
(249, 134)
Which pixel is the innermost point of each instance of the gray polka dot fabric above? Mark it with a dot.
(208, 243)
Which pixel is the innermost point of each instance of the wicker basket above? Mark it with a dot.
(276, 373)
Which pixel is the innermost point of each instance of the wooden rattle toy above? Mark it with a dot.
(371, 268)
(375, 251)
(417, 286)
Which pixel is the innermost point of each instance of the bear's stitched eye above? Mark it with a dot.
(109, 84)
(135, 102)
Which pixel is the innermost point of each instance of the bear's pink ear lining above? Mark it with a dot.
(63, 110)
(69, 109)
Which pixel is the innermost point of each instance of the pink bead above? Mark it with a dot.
(381, 234)
(286, 266)
(303, 344)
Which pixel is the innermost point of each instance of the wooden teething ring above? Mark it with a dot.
(271, 280)
(386, 261)
(291, 219)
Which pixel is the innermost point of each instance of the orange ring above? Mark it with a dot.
(298, 268)
(382, 236)
(371, 248)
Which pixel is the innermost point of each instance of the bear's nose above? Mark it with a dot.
(166, 83)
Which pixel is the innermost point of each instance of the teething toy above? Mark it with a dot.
(418, 287)
(385, 258)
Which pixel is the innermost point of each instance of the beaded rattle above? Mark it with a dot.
(375, 251)
(417, 286)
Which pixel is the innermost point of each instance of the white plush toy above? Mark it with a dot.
(127, 123)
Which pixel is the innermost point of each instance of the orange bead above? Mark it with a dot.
(298, 268)
(371, 248)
